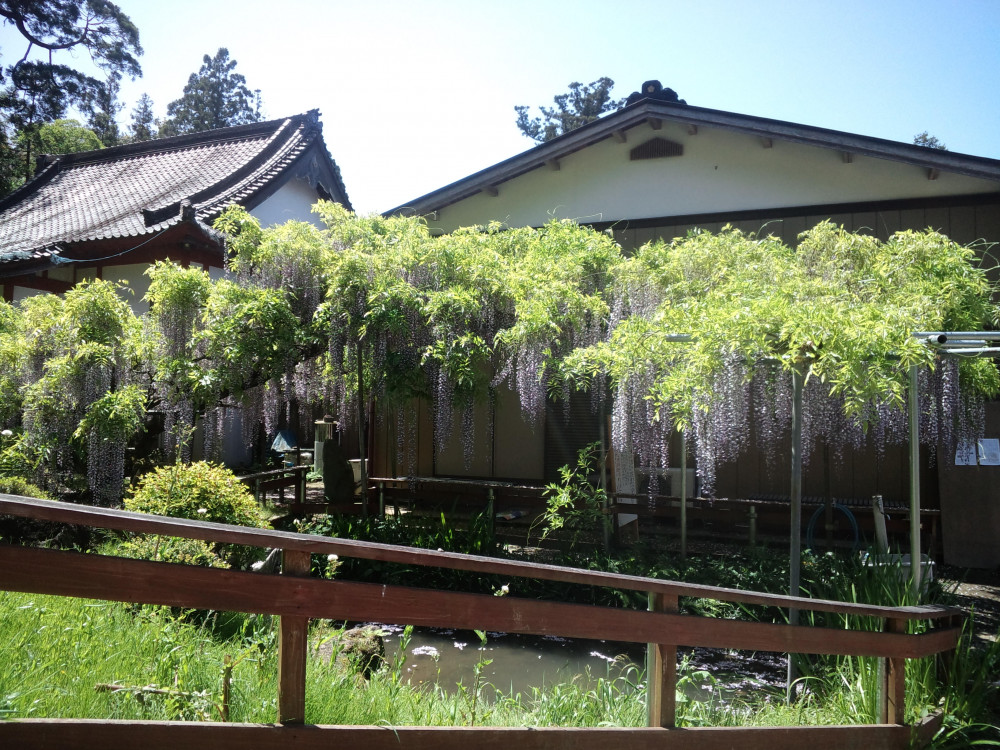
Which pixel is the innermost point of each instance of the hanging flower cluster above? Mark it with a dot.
(841, 310)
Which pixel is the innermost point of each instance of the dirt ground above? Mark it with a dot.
(978, 593)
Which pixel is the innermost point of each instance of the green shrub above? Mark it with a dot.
(22, 487)
(200, 491)
(204, 492)
(172, 550)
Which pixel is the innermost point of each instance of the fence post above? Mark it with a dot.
(661, 670)
(892, 688)
(292, 642)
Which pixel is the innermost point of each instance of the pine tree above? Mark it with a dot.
(103, 117)
(214, 97)
(143, 122)
(583, 103)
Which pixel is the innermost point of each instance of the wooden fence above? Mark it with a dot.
(295, 598)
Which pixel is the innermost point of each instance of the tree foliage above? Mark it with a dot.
(66, 137)
(103, 115)
(214, 97)
(143, 127)
(583, 103)
(73, 386)
(698, 334)
(39, 89)
(928, 140)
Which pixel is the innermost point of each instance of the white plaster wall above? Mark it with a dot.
(137, 284)
(293, 200)
(21, 293)
(719, 171)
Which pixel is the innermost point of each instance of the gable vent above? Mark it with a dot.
(656, 148)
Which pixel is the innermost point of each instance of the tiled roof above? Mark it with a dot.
(141, 189)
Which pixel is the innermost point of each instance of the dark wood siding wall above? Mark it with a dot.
(964, 222)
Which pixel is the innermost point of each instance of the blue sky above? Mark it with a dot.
(415, 95)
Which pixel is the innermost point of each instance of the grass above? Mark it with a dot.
(55, 652)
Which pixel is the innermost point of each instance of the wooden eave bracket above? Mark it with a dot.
(933, 173)
(655, 123)
(552, 164)
(766, 143)
(847, 157)
(692, 129)
(492, 190)
(619, 136)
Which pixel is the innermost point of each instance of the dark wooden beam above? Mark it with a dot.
(692, 129)
(933, 173)
(492, 190)
(767, 142)
(619, 136)
(293, 642)
(41, 283)
(86, 734)
(655, 123)
(552, 164)
(847, 157)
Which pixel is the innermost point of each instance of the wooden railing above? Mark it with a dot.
(278, 479)
(295, 598)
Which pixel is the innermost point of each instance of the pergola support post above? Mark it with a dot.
(914, 408)
(795, 535)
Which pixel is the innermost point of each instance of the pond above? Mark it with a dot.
(519, 663)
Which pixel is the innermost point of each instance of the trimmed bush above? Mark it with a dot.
(200, 491)
(204, 492)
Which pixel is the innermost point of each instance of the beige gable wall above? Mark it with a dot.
(719, 171)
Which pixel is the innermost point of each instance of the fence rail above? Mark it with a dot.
(295, 598)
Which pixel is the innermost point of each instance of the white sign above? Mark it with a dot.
(989, 451)
(965, 454)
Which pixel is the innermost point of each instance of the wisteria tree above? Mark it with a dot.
(706, 330)
(73, 379)
(376, 310)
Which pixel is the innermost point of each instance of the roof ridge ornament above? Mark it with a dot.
(654, 90)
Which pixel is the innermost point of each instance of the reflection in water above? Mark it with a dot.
(518, 663)
(521, 662)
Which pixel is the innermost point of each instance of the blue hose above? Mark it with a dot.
(811, 528)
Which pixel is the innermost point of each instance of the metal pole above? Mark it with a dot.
(795, 544)
(914, 480)
(362, 437)
(684, 494)
(606, 505)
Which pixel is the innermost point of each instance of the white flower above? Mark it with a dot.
(505, 589)
(202, 511)
(332, 558)
(7, 433)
